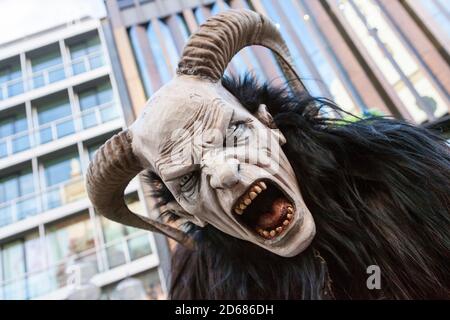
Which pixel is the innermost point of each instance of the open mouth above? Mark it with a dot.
(264, 209)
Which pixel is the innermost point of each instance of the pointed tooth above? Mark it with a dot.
(289, 216)
(266, 233)
(252, 195)
(257, 189)
(286, 222)
(238, 211)
(273, 233)
(290, 209)
(263, 185)
(242, 206)
(279, 229)
(247, 201)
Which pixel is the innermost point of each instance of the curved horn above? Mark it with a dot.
(212, 47)
(108, 174)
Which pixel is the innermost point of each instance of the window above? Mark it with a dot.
(96, 106)
(141, 62)
(69, 242)
(123, 241)
(93, 149)
(11, 82)
(394, 59)
(16, 197)
(86, 55)
(55, 120)
(14, 270)
(62, 179)
(158, 54)
(23, 263)
(47, 68)
(11, 128)
(305, 30)
(125, 3)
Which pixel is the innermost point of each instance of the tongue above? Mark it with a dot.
(275, 216)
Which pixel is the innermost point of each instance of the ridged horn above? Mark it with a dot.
(108, 175)
(210, 49)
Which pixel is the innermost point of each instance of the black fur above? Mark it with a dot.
(379, 191)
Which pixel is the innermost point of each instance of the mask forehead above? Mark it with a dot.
(185, 103)
(202, 129)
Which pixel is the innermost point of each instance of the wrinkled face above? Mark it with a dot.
(223, 165)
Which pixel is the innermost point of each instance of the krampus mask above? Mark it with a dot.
(223, 165)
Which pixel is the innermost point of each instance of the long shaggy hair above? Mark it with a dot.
(379, 192)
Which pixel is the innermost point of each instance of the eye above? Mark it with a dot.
(235, 131)
(185, 179)
(188, 183)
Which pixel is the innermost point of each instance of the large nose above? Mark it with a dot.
(225, 174)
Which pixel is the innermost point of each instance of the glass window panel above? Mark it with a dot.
(139, 246)
(115, 254)
(11, 77)
(14, 270)
(45, 61)
(69, 242)
(104, 93)
(11, 188)
(3, 149)
(96, 60)
(89, 119)
(125, 3)
(62, 169)
(169, 42)
(78, 67)
(64, 128)
(113, 233)
(46, 66)
(86, 55)
(141, 62)
(26, 183)
(26, 207)
(35, 264)
(20, 143)
(70, 237)
(158, 54)
(15, 88)
(93, 149)
(6, 127)
(11, 127)
(6, 214)
(88, 99)
(56, 74)
(54, 110)
(108, 113)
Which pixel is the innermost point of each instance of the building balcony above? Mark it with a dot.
(38, 202)
(58, 129)
(51, 75)
(102, 265)
(56, 202)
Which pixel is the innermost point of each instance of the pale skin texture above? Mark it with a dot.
(181, 138)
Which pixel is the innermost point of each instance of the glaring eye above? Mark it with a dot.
(186, 179)
(188, 184)
(235, 131)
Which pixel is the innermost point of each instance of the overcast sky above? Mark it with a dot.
(19, 18)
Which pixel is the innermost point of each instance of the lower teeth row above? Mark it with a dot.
(272, 233)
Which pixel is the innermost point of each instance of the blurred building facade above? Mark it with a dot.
(59, 101)
(367, 55)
